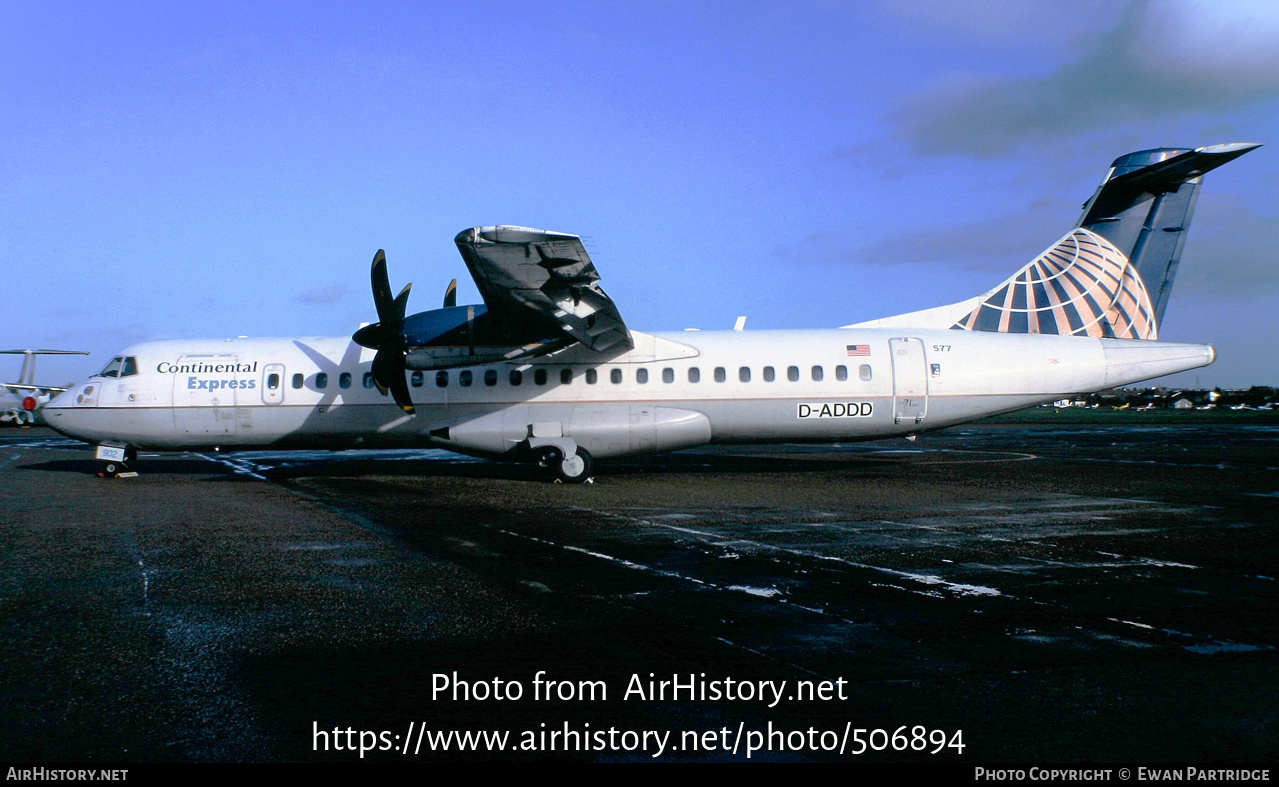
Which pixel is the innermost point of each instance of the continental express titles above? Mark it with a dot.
(212, 383)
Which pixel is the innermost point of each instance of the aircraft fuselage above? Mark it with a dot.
(671, 391)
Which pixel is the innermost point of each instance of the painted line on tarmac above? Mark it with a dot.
(240, 466)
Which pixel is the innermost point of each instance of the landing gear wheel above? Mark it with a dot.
(575, 469)
(549, 456)
(113, 469)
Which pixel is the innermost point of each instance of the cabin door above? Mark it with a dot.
(910, 380)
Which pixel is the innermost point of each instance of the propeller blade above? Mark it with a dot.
(388, 374)
(450, 295)
(401, 302)
(387, 335)
(400, 392)
(382, 300)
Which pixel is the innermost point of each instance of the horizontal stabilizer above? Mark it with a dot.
(1131, 179)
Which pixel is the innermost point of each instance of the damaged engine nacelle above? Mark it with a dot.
(603, 430)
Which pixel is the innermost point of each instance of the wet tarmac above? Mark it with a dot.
(1038, 594)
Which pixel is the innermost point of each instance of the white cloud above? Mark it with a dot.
(1161, 60)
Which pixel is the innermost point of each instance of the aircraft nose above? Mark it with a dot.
(66, 413)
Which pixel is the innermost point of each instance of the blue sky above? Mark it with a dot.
(207, 169)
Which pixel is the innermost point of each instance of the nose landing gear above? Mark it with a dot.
(117, 461)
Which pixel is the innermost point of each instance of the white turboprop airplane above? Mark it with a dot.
(546, 371)
(31, 397)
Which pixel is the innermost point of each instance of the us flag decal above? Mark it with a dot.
(858, 350)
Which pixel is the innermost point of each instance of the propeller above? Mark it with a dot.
(387, 336)
(450, 295)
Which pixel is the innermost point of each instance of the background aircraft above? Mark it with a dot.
(31, 397)
(546, 370)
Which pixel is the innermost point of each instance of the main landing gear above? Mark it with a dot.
(567, 468)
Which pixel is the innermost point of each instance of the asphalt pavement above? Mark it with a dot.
(985, 594)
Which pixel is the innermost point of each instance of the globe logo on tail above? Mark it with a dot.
(1081, 286)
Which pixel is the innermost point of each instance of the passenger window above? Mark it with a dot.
(641, 376)
(297, 380)
(344, 380)
(668, 375)
(744, 374)
(591, 376)
(321, 380)
(441, 379)
(615, 376)
(694, 374)
(841, 372)
(517, 377)
(769, 374)
(130, 367)
(416, 379)
(368, 379)
(490, 376)
(792, 373)
(864, 371)
(566, 376)
(818, 374)
(539, 376)
(464, 378)
(720, 374)
(272, 381)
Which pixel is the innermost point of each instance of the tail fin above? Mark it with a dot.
(1144, 206)
(27, 376)
(1110, 276)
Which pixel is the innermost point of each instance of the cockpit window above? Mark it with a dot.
(130, 367)
(113, 368)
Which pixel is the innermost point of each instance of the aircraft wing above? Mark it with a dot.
(38, 389)
(544, 281)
